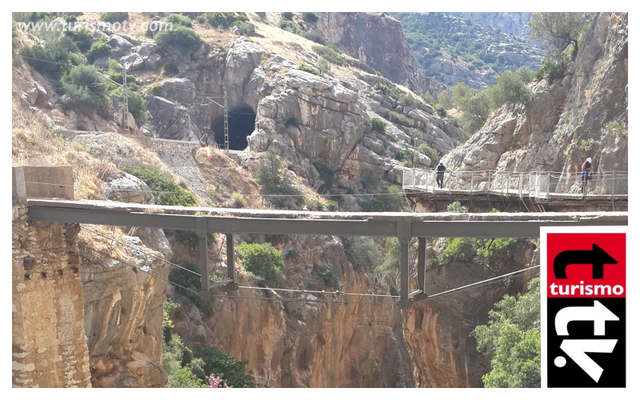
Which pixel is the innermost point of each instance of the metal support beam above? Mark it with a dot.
(404, 236)
(201, 231)
(422, 247)
(231, 266)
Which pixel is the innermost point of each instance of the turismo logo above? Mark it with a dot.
(586, 309)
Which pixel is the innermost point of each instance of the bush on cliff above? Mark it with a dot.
(264, 261)
(164, 189)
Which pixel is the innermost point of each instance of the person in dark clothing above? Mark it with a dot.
(440, 174)
(205, 137)
(586, 173)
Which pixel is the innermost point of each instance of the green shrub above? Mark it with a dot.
(221, 19)
(314, 36)
(85, 91)
(177, 19)
(98, 50)
(201, 19)
(332, 205)
(262, 15)
(324, 274)
(287, 15)
(164, 189)
(264, 261)
(525, 74)
(444, 100)
(53, 59)
(330, 53)
(551, 71)
(428, 97)
(288, 26)
(391, 201)
(407, 100)
(399, 119)
(274, 181)
(182, 368)
(429, 152)
(323, 65)
(226, 367)
(308, 69)
(184, 40)
(83, 38)
(388, 90)
(155, 89)
(377, 124)
(309, 17)
(114, 16)
(362, 252)
(456, 207)
(511, 91)
(404, 155)
(314, 205)
(441, 111)
(243, 27)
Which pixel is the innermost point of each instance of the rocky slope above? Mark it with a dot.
(582, 115)
(514, 23)
(456, 49)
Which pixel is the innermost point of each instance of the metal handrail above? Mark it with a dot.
(536, 183)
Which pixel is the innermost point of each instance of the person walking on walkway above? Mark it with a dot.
(586, 173)
(440, 174)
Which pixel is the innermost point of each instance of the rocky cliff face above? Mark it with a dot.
(515, 23)
(324, 341)
(582, 115)
(376, 40)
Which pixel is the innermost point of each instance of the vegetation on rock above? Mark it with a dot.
(264, 262)
(512, 340)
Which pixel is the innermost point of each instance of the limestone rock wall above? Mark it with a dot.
(376, 40)
(345, 342)
(581, 115)
(123, 315)
(49, 346)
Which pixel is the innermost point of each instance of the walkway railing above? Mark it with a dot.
(535, 184)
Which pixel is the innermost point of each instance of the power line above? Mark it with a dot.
(302, 291)
(143, 252)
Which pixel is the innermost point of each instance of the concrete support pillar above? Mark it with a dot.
(421, 295)
(231, 264)
(201, 230)
(404, 236)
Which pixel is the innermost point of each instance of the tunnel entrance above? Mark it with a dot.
(242, 120)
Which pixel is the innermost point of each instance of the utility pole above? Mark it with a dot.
(226, 124)
(125, 100)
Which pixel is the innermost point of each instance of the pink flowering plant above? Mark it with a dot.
(213, 381)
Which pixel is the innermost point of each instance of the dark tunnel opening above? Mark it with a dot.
(242, 120)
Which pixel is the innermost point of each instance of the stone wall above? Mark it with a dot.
(49, 346)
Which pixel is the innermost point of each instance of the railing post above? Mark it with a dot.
(201, 231)
(489, 187)
(548, 183)
(520, 185)
(404, 235)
